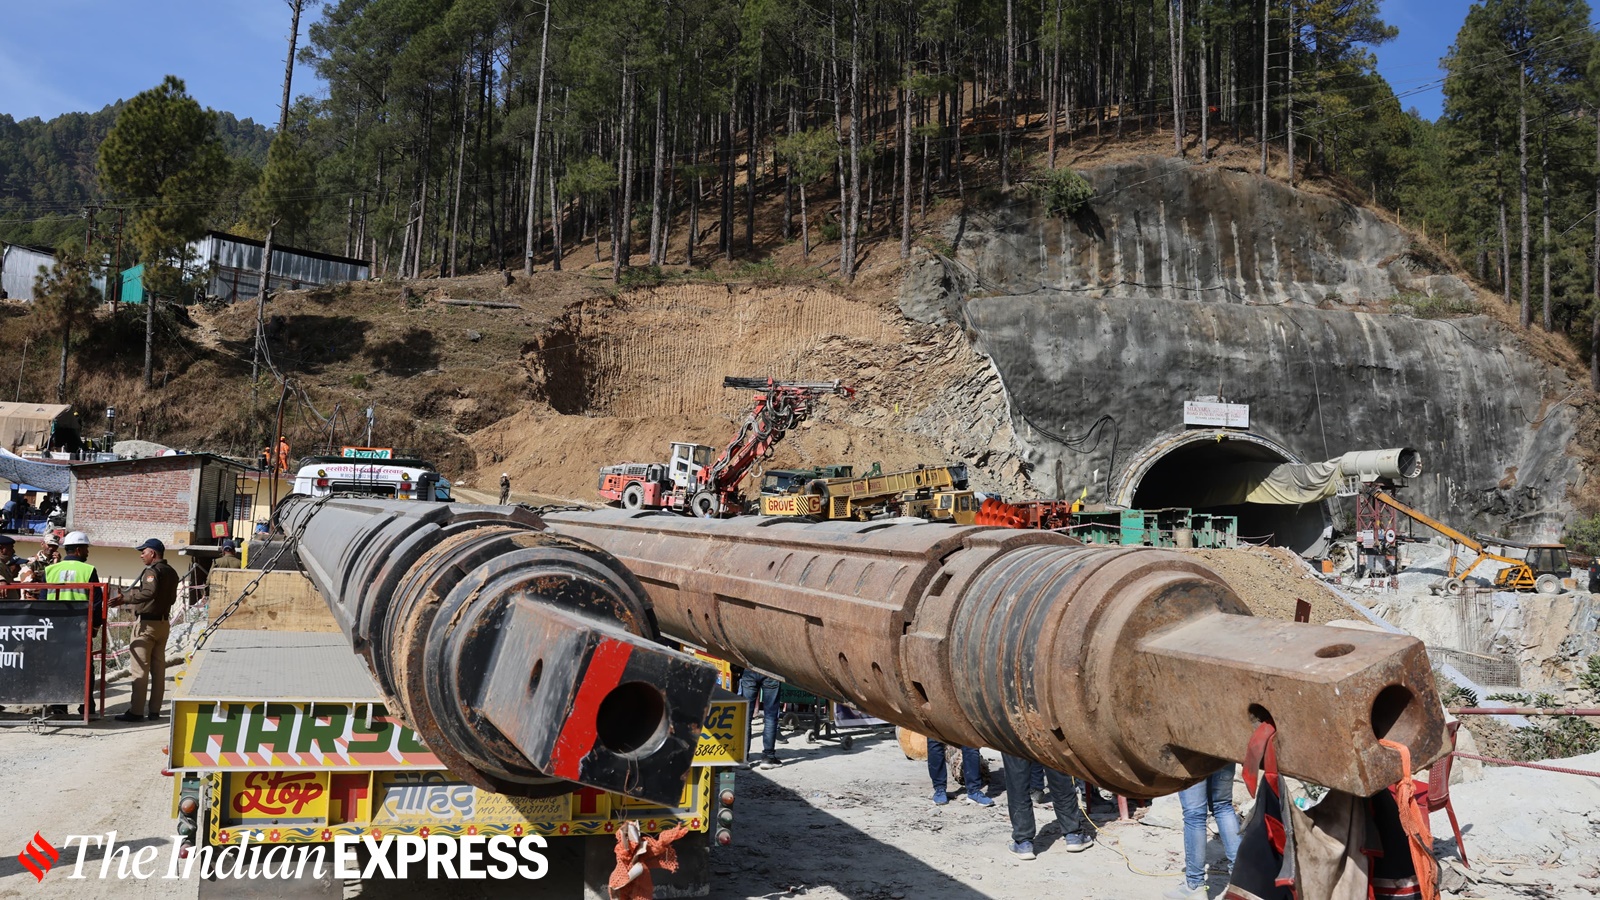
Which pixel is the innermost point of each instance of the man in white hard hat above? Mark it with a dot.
(74, 568)
(505, 488)
(152, 597)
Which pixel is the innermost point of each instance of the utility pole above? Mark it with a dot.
(116, 265)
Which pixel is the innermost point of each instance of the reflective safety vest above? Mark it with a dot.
(69, 571)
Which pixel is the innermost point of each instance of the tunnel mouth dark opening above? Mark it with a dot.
(632, 719)
(1202, 475)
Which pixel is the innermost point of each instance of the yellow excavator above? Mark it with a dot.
(1544, 569)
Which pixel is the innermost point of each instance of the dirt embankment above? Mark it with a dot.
(1271, 579)
(619, 379)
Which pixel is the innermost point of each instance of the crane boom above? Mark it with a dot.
(1464, 540)
(1517, 575)
(780, 406)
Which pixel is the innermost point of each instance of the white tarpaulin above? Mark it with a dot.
(1296, 484)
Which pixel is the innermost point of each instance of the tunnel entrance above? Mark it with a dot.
(1193, 469)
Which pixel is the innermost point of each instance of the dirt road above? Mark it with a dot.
(830, 824)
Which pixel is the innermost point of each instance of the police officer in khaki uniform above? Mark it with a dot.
(229, 558)
(151, 598)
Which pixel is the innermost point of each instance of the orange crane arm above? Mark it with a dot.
(1454, 535)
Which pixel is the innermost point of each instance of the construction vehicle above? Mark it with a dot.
(282, 733)
(691, 481)
(927, 492)
(404, 479)
(791, 481)
(1100, 525)
(1543, 569)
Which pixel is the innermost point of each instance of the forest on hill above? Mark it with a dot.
(49, 170)
(465, 135)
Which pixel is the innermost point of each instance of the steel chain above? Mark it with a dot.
(289, 544)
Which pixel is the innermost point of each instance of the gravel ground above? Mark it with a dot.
(829, 825)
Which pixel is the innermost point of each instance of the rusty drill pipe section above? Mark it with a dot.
(1138, 669)
(526, 660)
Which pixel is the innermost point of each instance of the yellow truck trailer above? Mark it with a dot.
(282, 738)
(927, 492)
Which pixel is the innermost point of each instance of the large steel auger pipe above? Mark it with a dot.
(1138, 669)
(526, 660)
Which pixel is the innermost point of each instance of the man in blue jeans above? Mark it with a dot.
(1214, 795)
(971, 774)
(752, 683)
(1063, 795)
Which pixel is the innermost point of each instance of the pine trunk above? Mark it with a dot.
(1266, 62)
(657, 182)
(1174, 14)
(905, 170)
(533, 167)
(1544, 241)
(1526, 317)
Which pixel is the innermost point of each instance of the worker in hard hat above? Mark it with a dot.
(505, 488)
(74, 568)
(152, 598)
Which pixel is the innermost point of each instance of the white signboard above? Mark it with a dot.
(1226, 415)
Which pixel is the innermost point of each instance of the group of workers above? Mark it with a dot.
(20, 507)
(1028, 783)
(65, 560)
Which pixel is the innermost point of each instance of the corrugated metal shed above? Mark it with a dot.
(234, 264)
(133, 284)
(20, 265)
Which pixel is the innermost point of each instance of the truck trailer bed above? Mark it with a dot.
(278, 666)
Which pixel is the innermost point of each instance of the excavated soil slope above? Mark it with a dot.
(1270, 579)
(618, 379)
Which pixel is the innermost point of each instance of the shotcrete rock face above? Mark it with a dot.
(1179, 282)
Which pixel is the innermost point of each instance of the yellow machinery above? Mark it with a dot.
(1545, 567)
(959, 507)
(929, 492)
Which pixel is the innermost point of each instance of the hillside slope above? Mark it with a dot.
(1029, 323)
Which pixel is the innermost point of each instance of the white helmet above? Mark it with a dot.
(75, 539)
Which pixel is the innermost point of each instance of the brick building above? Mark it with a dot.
(174, 498)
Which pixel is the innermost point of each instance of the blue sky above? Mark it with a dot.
(61, 56)
(79, 55)
(1410, 62)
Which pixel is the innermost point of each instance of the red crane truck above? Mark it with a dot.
(695, 484)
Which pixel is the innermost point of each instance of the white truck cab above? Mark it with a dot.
(688, 461)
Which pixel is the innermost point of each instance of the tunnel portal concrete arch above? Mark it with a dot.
(1166, 473)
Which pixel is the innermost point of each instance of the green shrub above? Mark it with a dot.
(1064, 192)
(642, 277)
(1423, 306)
(1590, 680)
(1583, 536)
(831, 231)
(1453, 694)
(358, 381)
(1555, 738)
